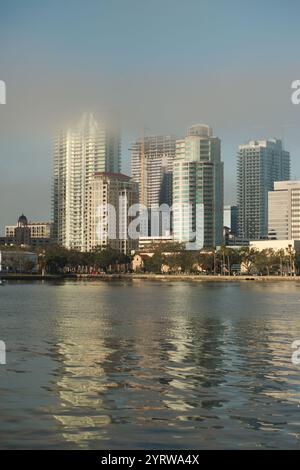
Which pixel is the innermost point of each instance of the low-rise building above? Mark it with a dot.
(151, 242)
(26, 233)
(275, 245)
(18, 261)
(137, 263)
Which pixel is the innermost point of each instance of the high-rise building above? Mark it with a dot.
(110, 192)
(79, 153)
(259, 164)
(152, 159)
(284, 211)
(198, 189)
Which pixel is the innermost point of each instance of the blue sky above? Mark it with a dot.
(163, 65)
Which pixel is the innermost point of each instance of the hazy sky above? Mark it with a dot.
(161, 65)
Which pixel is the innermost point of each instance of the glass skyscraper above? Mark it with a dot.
(259, 164)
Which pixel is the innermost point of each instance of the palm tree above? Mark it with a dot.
(291, 256)
(281, 255)
(223, 254)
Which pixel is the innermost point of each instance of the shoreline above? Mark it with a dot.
(147, 277)
(30, 277)
(188, 277)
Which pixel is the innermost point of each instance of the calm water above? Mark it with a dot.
(149, 365)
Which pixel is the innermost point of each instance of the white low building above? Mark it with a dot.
(18, 262)
(275, 245)
(149, 242)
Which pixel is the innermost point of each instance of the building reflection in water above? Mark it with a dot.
(186, 360)
(82, 378)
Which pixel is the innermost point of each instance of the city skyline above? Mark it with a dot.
(129, 169)
(178, 75)
(149, 228)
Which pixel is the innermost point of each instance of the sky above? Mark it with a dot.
(158, 66)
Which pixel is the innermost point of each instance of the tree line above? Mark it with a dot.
(225, 261)
(172, 258)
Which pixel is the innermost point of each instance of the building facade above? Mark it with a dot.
(284, 211)
(79, 153)
(146, 243)
(37, 229)
(105, 229)
(230, 221)
(276, 245)
(24, 233)
(231, 218)
(152, 160)
(259, 164)
(198, 189)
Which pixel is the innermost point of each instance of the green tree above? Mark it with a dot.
(186, 260)
(153, 263)
(297, 263)
(247, 256)
(55, 259)
(106, 259)
(206, 261)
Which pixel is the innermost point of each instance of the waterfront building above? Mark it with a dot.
(137, 262)
(276, 245)
(198, 189)
(79, 153)
(284, 211)
(259, 164)
(18, 261)
(103, 229)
